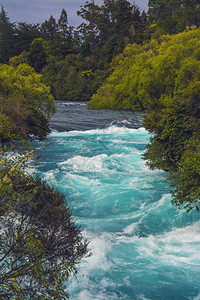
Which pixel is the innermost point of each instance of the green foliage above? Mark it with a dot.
(163, 78)
(25, 102)
(25, 34)
(20, 59)
(73, 78)
(40, 244)
(105, 31)
(185, 180)
(37, 56)
(64, 36)
(7, 37)
(124, 82)
(143, 74)
(176, 124)
(15, 38)
(48, 28)
(173, 16)
(103, 34)
(6, 127)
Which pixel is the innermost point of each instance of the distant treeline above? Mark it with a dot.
(75, 61)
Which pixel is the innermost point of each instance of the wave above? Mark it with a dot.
(66, 103)
(143, 247)
(108, 130)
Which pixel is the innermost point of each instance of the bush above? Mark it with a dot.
(40, 245)
(25, 101)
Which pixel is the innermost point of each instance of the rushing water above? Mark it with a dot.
(143, 247)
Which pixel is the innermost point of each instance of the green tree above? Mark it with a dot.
(185, 180)
(25, 100)
(65, 34)
(7, 37)
(49, 28)
(37, 56)
(26, 33)
(173, 16)
(40, 245)
(89, 31)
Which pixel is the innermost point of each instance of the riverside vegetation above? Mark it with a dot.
(162, 78)
(40, 244)
(127, 60)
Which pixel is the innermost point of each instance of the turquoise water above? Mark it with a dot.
(143, 247)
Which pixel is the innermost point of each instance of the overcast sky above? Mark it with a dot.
(37, 11)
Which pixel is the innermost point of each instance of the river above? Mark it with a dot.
(143, 247)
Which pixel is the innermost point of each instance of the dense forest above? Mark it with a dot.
(118, 58)
(75, 61)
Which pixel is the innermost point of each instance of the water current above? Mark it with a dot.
(143, 247)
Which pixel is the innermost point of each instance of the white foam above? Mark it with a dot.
(108, 130)
(197, 297)
(178, 247)
(50, 177)
(73, 103)
(100, 245)
(126, 122)
(86, 164)
(129, 229)
(116, 155)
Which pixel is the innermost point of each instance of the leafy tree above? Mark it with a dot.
(109, 27)
(63, 23)
(185, 180)
(37, 56)
(176, 124)
(15, 38)
(173, 16)
(143, 74)
(40, 245)
(25, 101)
(89, 31)
(20, 59)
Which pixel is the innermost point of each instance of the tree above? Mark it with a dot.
(64, 34)
(185, 181)
(89, 30)
(49, 28)
(173, 16)
(25, 100)
(26, 33)
(40, 245)
(37, 56)
(63, 23)
(108, 28)
(7, 36)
